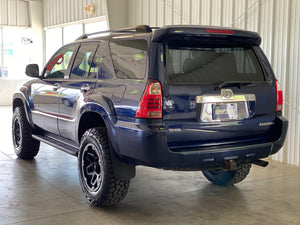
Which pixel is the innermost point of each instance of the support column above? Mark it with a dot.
(118, 13)
(37, 25)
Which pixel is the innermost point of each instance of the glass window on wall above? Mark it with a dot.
(53, 41)
(95, 27)
(16, 52)
(72, 32)
(57, 37)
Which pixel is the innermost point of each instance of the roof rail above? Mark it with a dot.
(134, 29)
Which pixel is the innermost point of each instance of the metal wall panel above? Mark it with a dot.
(168, 12)
(252, 15)
(153, 12)
(205, 12)
(186, 12)
(228, 13)
(58, 12)
(279, 48)
(177, 9)
(146, 11)
(240, 14)
(278, 23)
(216, 12)
(292, 102)
(195, 11)
(160, 13)
(14, 13)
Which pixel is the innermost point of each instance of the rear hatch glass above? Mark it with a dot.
(212, 65)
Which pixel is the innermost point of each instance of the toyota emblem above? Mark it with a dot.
(226, 93)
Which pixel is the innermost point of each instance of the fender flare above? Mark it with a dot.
(103, 106)
(19, 95)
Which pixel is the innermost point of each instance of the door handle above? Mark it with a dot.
(85, 88)
(56, 86)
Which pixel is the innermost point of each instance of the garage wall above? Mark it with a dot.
(277, 21)
(57, 12)
(14, 13)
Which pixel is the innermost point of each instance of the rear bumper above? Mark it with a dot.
(146, 145)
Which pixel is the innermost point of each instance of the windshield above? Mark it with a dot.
(212, 65)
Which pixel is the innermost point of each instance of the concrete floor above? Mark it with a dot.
(47, 191)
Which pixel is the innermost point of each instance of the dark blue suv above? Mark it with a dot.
(176, 97)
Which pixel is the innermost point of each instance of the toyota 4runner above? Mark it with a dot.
(176, 97)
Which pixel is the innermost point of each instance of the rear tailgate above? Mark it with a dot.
(216, 94)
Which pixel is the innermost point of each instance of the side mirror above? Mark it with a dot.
(32, 70)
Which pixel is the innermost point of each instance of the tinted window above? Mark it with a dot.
(58, 65)
(83, 61)
(129, 58)
(102, 67)
(210, 65)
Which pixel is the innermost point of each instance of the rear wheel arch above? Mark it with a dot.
(89, 120)
(98, 112)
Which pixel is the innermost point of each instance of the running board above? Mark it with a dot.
(56, 144)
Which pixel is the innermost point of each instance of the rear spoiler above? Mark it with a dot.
(206, 34)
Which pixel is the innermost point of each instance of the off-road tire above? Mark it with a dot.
(24, 145)
(95, 168)
(225, 178)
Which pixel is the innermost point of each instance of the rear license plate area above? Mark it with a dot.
(224, 111)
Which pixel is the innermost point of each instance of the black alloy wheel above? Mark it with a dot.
(92, 168)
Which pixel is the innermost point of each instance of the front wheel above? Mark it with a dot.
(95, 168)
(25, 146)
(225, 178)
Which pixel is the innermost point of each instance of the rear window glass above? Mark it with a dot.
(129, 58)
(211, 65)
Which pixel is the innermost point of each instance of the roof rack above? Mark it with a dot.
(134, 29)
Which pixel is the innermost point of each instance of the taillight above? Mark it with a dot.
(150, 105)
(279, 96)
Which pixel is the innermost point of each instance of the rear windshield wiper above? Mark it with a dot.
(239, 84)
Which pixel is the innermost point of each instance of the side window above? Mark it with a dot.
(129, 58)
(83, 61)
(102, 67)
(57, 66)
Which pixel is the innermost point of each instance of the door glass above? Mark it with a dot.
(58, 65)
(83, 61)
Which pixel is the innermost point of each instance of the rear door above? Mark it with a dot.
(216, 95)
(75, 87)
